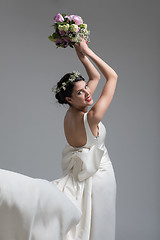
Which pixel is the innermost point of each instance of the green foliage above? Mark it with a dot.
(55, 35)
(63, 15)
(60, 23)
(51, 38)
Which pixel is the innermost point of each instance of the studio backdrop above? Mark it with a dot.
(123, 33)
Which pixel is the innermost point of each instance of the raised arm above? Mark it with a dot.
(92, 72)
(98, 110)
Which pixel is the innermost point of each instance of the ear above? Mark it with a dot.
(68, 99)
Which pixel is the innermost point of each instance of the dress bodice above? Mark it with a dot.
(88, 158)
(91, 139)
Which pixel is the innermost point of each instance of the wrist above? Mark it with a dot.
(90, 53)
(83, 59)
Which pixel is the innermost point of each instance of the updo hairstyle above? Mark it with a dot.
(60, 96)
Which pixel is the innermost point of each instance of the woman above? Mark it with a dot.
(81, 204)
(89, 179)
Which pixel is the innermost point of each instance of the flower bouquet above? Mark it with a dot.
(69, 29)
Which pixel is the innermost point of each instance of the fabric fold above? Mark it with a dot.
(78, 166)
(84, 161)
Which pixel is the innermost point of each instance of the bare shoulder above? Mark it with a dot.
(73, 118)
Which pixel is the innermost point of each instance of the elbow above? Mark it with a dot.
(98, 76)
(116, 76)
(112, 78)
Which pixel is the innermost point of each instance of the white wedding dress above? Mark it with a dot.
(81, 205)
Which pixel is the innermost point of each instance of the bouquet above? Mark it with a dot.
(69, 29)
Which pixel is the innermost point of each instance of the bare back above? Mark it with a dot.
(74, 128)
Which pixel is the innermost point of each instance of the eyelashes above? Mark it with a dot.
(81, 90)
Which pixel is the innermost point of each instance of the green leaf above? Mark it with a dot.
(55, 35)
(51, 39)
(57, 31)
(59, 23)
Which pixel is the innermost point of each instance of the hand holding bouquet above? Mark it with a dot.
(69, 29)
(82, 49)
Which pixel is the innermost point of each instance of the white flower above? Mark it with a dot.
(63, 85)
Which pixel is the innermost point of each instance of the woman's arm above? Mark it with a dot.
(97, 112)
(92, 72)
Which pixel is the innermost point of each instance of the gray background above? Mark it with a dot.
(125, 35)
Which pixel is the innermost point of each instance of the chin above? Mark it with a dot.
(90, 103)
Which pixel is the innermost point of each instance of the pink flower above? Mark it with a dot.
(58, 18)
(78, 29)
(67, 17)
(77, 19)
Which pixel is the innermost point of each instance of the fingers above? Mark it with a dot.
(81, 47)
(77, 44)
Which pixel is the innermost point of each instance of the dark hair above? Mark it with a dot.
(60, 96)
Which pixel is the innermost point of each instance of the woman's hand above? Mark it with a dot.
(82, 49)
(79, 53)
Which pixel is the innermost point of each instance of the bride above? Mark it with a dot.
(81, 205)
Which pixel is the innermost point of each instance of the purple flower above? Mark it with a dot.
(62, 32)
(66, 41)
(63, 42)
(58, 18)
(77, 19)
(59, 40)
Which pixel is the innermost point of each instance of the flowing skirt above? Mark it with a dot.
(104, 187)
(34, 209)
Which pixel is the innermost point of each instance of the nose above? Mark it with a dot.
(87, 92)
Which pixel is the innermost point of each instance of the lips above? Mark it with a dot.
(88, 99)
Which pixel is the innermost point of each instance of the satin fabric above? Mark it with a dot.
(78, 206)
(33, 209)
(86, 170)
(78, 166)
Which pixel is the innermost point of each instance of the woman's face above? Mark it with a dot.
(81, 95)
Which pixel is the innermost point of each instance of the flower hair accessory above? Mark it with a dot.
(69, 29)
(73, 76)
